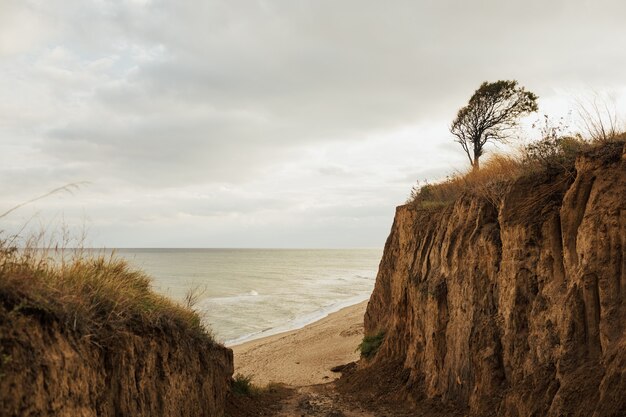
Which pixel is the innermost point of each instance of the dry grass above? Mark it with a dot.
(243, 385)
(491, 182)
(599, 119)
(96, 296)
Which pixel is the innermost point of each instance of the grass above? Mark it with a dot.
(490, 181)
(499, 171)
(370, 344)
(242, 385)
(98, 297)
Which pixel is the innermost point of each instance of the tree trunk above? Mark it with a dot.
(476, 162)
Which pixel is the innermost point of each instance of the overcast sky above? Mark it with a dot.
(201, 123)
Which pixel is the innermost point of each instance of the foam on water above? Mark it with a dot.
(298, 322)
(256, 293)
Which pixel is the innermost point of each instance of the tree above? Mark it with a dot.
(491, 113)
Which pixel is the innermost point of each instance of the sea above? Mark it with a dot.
(245, 294)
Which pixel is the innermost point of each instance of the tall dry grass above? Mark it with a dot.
(552, 153)
(599, 119)
(97, 296)
(490, 182)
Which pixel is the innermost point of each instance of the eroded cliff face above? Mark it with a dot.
(515, 310)
(47, 370)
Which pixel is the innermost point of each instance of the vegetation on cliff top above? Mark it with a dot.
(555, 152)
(96, 296)
(491, 115)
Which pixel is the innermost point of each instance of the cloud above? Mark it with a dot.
(300, 109)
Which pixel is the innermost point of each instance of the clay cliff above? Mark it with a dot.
(49, 370)
(87, 336)
(509, 309)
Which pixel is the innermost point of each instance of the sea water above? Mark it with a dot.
(250, 293)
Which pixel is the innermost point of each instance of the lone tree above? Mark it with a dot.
(491, 113)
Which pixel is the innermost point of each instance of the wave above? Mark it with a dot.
(364, 277)
(230, 299)
(298, 322)
(353, 277)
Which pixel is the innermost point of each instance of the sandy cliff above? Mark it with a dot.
(514, 310)
(48, 370)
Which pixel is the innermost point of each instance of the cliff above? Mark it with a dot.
(92, 339)
(514, 309)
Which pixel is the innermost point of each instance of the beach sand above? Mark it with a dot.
(304, 356)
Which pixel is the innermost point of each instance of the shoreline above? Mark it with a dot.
(304, 356)
(299, 322)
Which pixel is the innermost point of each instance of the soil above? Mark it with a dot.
(335, 399)
(323, 400)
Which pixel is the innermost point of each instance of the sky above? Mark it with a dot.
(285, 124)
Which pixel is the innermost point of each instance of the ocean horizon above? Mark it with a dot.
(249, 293)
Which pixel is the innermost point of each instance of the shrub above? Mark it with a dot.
(553, 151)
(242, 385)
(370, 344)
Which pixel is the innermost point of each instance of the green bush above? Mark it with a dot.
(553, 151)
(242, 385)
(370, 344)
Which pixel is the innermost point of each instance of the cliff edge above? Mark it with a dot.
(509, 309)
(90, 338)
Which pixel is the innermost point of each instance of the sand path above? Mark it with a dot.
(301, 360)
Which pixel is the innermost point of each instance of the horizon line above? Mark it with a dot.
(208, 248)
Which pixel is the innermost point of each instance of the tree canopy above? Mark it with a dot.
(491, 113)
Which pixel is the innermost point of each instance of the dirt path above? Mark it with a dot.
(303, 362)
(320, 401)
(325, 400)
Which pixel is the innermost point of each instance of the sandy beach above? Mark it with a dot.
(304, 356)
